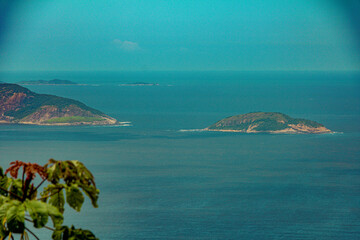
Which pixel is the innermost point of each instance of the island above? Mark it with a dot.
(19, 105)
(48, 82)
(139, 84)
(267, 122)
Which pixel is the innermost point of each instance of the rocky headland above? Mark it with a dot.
(19, 105)
(267, 122)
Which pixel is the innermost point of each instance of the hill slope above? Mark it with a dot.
(20, 105)
(267, 122)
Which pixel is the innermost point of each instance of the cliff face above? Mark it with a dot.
(12, 98)
(267, 122)
(20, 105)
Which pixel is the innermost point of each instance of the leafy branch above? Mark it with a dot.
(67, 182)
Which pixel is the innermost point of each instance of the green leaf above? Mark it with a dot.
(70, 171)
(55, 215)
(77, 180)
(51, 189)
(83, 173)
(55, 194)
(74, 173)
(57, 234)
(92, 192)
(3, 199)
(54, 173)
(4, 184)
(15, 188)
(72, 234)
(57, 200)
(60, 233)
(15, 217)
(74, 197)
(38, 212)
(80, 234)
(4, 208)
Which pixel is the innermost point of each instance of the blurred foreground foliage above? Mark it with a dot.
(21, 202)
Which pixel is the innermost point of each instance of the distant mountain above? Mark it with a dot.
(22, 106)
(48, 82)
(270, 122)
(139, 84)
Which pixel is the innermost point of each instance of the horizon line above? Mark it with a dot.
(294, 70)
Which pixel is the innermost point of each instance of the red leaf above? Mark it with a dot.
(30, 169)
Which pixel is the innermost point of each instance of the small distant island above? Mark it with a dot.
(48, 82)
(267, 122)
(19, 105)
(139, 84)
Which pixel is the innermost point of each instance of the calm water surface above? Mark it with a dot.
(158, 182)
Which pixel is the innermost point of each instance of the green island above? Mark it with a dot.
(19, 105)
(48, 82)
(269, 122)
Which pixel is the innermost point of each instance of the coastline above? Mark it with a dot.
(45, 84)
(97, 123)
(284, 131)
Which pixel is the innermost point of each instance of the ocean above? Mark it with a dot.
(161, 178)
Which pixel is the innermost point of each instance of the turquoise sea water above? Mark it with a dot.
(158, 182)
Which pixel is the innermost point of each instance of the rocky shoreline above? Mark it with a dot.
(284, 131)
(268, 122)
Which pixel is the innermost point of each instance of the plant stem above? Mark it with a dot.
(19, 198)
(49, 228)
(32, 233)
(26, 187)
(22, 180)
(38, 186)
(51, 194)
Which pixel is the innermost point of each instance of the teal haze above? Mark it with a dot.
(179, 35)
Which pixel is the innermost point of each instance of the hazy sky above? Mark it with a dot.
(179, 35)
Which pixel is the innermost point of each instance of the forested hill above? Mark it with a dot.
(20, 105)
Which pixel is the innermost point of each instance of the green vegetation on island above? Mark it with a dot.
(271, 122)
(72, 119)
(20, 105)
